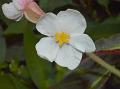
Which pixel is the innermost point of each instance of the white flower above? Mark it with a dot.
(17, 8)
(66, 40)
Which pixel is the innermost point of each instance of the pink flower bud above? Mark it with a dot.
(16, 9)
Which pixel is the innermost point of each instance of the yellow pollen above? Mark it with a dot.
(62, 38)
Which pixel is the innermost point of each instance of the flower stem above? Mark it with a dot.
(100, 61)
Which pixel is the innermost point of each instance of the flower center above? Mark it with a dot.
(62, 38)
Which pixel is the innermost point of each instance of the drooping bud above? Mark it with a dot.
(33, 12)
(16, 9)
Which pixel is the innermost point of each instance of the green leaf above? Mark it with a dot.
(17, 83)
(115, 46)
(23, 71)
(3, 65)
(99, 81)
(105, 29)
(103, 2)
(34, 64)
(112, 42)
(16, 28)
(5, 82)
(11, 82)
(49, 5)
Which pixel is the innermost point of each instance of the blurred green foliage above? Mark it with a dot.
(32, 72)
(2, 46)
(50, 5)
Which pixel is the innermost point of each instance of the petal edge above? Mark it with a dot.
(83, 43)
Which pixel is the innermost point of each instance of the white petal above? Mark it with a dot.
(72, 21)
(83, 43)
(47, 24)
(11, 12)
(47, 48)
(68, 57)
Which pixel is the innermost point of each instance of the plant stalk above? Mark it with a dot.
(104, 64)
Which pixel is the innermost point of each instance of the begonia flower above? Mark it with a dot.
(66, 41)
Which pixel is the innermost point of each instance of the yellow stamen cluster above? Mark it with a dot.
(62, 38)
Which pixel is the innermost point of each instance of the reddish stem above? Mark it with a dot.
(113, 52)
